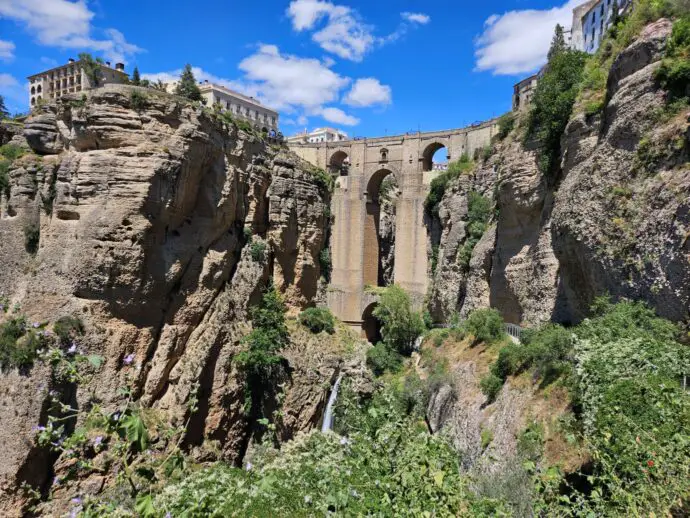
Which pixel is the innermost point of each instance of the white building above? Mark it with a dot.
(318, 135)
(591, 21)
(70, 78)
(239, 105)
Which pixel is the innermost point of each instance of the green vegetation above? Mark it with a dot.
(257, 250)
(3, 109)
(187, 86)
(318, 320)
(32, 237)
(674, 72)
(487, 437)
(92, 68)
(382, 359)
(8, 153)
(400, 325)
(552, 103)
(485, 325)
(323, 180)
(19, 344)
(12, 151)
(506, 123)
(138, 100)
(68, 328)
(5, 178)
(439, 184)
(261, 361)
(136, 77)
(325, 264)
(478, 215)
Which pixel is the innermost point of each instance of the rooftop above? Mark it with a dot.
(213, 86)
(72, 62)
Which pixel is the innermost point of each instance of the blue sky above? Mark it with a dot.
(369, 67)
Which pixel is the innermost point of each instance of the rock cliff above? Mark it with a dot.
(617, 220)
(158, 225)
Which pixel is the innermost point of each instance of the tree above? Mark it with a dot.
(557, 43)
(400, 325)
(187, 86)
(92, 68)
(136, 78)
(615, 13)
(3, 109)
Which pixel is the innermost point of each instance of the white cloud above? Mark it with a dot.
(338, 116)
(517, 42)
(368, 92)
(66, 24)
(7, 81)
(420, 18)
(344, 34)
(15, 93)
(6, 50)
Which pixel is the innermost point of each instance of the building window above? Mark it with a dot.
(384, 154)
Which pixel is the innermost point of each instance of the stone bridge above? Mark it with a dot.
(360, 166)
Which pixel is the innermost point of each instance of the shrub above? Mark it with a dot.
(400, 325)
(531, 441)
(5, 178)
(67, 328)
(478, 215)
(487, 436)
(244, 126)
(12, 151)
(323, 180)
(486, 325)
(674, 72)
(32, 237)
(318, 320)
(381, 359)
(552, 104)
(548, 351)
(506, 123)
(257, 251)
(439, 184)
(19, 344)
(491, 385)
(325, 264)
(138, 100)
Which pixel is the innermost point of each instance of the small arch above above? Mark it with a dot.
(371, 327)
(428, 155)
(339, 164)
(33, 90)
(384, 154)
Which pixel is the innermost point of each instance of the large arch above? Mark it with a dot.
(371, 327)
(339, 163)
(428, 154)
(373, 270)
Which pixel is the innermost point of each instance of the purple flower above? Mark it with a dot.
(72, 349)
(39, 428)
(168, 515)
(97, 441)
(248, 467)
(344, 441)
(36, 325)
(127, 360)
(76, 500)
(56, 481)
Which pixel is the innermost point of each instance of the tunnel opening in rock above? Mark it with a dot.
(371, 327)
(379, 229)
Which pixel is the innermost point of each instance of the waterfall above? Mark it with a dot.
(328, 415)
(418, 342)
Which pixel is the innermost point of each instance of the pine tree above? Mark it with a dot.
(558, 43)
(3, 109)
(136, 78)
(187, 86)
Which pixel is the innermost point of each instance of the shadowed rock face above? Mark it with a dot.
(609, 225)
(146, 241)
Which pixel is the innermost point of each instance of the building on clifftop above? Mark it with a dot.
(71, 78)
(591, 20)
(318, 135)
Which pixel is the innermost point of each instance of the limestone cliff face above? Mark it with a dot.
(617, 221)
(159, 227)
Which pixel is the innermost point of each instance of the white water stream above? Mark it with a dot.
(328, 415)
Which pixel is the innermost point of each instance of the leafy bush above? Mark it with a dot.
(67, 328)
(381, 358)
(439, 184)
(486, 325)
(257, 251)
(318, 320)
(323, 180)
(12, 151)
(674, 72)
(32, 237)
(138, 100)
(5, 178)
(552, 104)
(487, 437)
(491, 385)
(19, 343)
(478, 215)
(506, 123)
(531, 441)
(400, 325)
(325, 264)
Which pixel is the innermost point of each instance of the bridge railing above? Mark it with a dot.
(514, 330)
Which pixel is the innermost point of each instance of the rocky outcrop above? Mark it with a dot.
(616, 221)
(159, 227)
(389, 194)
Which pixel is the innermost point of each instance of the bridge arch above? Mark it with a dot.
(429, 152)
(373, 271)
(371, 327)
(339, 163)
